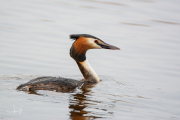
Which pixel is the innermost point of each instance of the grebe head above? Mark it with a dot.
(84, 42)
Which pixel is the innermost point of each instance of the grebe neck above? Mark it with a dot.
(79, 55)
(88, 72)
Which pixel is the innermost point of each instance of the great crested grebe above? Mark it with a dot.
(83, 42)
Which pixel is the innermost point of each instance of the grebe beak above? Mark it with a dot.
(108, 46)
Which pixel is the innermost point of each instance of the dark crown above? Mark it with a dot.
(76, 36)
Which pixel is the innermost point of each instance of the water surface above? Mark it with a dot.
(141, 81)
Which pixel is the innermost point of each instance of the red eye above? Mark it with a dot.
(95, 41)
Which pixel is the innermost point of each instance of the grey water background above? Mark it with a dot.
(141, 81)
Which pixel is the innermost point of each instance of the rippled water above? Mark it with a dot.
(141, 81)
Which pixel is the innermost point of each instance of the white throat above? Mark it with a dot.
(88, 72)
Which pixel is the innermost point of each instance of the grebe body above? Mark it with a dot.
(83, 42)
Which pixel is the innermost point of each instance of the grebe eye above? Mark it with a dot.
(96, 41)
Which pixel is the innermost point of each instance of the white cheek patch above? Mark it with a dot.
(92, 44)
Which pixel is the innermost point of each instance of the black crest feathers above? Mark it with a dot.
(76, 36)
